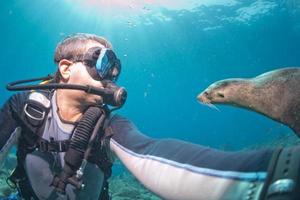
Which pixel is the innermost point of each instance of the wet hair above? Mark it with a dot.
(73, 47)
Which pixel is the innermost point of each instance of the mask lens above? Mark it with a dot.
(108, 65)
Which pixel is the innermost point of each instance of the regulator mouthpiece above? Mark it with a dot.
(115, 96)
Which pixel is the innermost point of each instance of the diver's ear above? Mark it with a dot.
(64, 69)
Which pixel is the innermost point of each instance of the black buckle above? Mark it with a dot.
(53, 146)
(57, 146)
(43, 145)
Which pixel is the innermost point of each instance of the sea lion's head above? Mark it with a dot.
(221, 92)
(274, 94)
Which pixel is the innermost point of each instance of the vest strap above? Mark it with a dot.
(53, 146)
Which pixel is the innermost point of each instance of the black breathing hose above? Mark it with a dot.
(111, 94)
(89, 89)
(84, 130)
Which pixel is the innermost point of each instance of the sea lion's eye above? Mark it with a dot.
(220, 95)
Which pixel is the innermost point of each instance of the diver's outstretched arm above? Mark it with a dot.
(174, 169)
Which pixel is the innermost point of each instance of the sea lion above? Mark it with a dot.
(275, 94)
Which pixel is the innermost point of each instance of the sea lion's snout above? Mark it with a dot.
(204, 97)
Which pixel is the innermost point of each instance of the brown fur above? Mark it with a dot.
(275, 94)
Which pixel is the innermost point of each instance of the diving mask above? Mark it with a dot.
(102, 64)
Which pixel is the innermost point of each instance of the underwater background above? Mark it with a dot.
(170, 51)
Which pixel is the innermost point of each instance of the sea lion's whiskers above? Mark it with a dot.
(212, 106)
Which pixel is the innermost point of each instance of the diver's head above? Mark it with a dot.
(85, 59)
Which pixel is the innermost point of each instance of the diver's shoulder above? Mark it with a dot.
(24, 95)
(19, 96)
(19, 99)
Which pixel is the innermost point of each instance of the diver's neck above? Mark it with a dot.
(68, 108)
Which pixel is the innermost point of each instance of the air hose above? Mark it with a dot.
(80, 138)
(81, 142)
(112, 94)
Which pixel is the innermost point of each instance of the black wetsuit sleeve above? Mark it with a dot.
(192, 171)
(9, 116)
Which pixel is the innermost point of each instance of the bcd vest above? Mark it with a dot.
(32, 121)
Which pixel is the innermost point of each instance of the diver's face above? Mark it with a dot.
(77, 74)
(80, 76)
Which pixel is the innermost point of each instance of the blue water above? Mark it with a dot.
(169, 54)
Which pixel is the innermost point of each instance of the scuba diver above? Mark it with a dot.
(68, 137)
